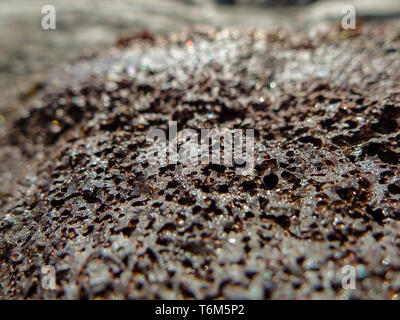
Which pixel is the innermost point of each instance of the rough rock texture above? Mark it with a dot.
(79, 195)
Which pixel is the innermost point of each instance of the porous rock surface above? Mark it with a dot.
(78, 193)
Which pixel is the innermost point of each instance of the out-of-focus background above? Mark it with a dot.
(26, 49)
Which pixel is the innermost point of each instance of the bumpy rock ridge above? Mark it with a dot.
(325, 108)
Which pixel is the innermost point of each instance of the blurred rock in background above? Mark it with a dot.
(26, 49)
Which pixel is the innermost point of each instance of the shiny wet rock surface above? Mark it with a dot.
(81, 196)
